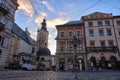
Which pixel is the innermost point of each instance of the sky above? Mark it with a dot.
(31, 13)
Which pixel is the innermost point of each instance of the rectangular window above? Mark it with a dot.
(107, 23)
(70, 33)
(5, 42)
(79, 47)
(109, 33)
(78, 33)
(91, 33)
(102, 43)
(92, 43)
(119, 32)
(62, 34)
(99, 23)
(70, 47)
(118, 23)
(90, 24)
(101, 32)
(62, 47)
(110, 42)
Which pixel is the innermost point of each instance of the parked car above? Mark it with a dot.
(28, 66)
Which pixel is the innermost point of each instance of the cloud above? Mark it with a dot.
(40, 17)
(56, 21)
(25, 5)
(48, 6)
(62, 13)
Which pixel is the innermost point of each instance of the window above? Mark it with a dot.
(33, 49)
(70, 33)
(62, 34)
(101, 33)
(110, 42)
(109, 32)
(70, 47)
(90, 24)
(119, 32)
(92, 43)
(91, 33)
(99, 23)
(2, 41)
(78, 33)
(102, 43)
(107, 23)
(79, 47)
(62, 47)
(118, 23)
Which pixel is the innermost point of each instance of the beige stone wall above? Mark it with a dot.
(8, 20)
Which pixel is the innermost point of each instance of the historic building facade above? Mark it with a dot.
(7, 12)
(65, 52)
(102, 40)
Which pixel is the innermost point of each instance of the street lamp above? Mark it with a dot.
(75, 43)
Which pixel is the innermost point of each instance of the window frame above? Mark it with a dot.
(102, 32)
(93, 43)
(107, 23)
(62, 34)
(108, 32)
(91, 35)
(70, 34)
(99, 23)
(78, 34)
(90, 24)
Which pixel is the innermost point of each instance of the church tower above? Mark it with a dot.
(42, 35)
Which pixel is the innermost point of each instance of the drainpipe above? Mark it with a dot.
(86, 53)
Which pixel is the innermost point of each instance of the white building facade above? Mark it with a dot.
(102, 42)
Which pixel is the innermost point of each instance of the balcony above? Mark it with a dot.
(3, 7)
(102, 49)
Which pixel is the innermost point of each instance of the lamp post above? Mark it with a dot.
(75, 42)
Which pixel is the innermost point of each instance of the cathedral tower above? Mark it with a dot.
(42, 35)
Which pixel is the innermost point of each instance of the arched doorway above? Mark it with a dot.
(113, 62)
(92, 62)
(103, 63)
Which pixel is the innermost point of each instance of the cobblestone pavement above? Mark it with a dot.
(51, 75)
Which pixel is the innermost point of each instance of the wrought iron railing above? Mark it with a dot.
(102, 49)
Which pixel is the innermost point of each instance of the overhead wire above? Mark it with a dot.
(87, 9)
(110, 5)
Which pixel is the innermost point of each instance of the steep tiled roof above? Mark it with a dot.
(20, 33)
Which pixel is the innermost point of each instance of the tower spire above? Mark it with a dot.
(44, 25)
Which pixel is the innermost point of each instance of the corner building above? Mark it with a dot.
(7, 12)
(65, 53)
(102, 42)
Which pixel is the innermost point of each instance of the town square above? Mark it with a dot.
(59, 39)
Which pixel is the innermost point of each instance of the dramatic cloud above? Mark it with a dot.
(25, 5)
(40, 17)
(51, 23)
(48, 6)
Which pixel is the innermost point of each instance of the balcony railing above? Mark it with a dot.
(4, 7)
(102, 49)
